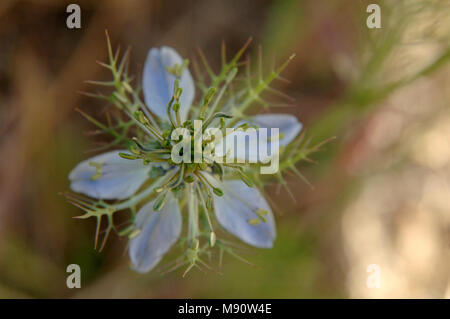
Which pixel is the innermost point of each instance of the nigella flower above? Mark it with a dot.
(166, 197)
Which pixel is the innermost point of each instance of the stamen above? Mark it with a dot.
(214, 116)
(253, 221)
(98, 170)
(159, 201)
(179, 178)
(216, 190)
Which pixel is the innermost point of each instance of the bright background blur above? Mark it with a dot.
(381, 189)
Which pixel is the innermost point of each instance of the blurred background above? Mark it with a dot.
(381, 189)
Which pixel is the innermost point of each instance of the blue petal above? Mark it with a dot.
(159, 231)
(237, 206)
(288, 125)
(158, 83)
(120, 178)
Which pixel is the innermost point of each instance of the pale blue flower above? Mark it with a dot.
(242, 211)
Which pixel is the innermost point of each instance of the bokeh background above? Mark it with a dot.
(381, 190)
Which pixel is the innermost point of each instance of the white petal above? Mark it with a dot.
(159, 231)
(288, 125)
(120, 178)
(237, 206)
(158, 83)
